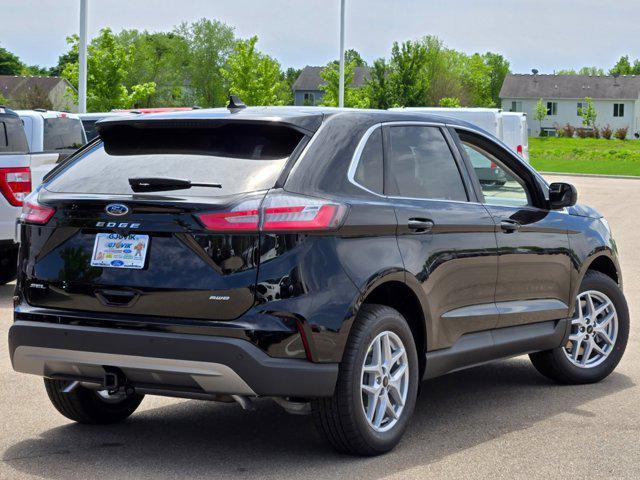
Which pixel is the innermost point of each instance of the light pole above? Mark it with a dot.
(82, 58)
(341, 81)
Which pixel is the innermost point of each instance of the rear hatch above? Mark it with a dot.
(188, 252)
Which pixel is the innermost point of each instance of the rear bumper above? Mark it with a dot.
(164, 361)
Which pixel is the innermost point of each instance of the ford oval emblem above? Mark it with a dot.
(117, 209)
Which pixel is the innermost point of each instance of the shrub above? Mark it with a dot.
(595, 132)
(451, 102)
(559, 130)
(583, 132)
(569, 130)
(621, 133)
(606, 132)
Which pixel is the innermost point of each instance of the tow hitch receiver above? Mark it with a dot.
(114, 381)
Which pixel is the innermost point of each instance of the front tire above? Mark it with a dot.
(377, 385)
(91, 407)
(598, 338)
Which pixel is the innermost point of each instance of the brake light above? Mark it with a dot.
(493, 166)
(34, 212)
(15, 184)
(280, 212)
(519, 150)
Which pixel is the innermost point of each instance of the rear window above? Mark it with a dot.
(63, 133)
(241, 157)
(12, 136)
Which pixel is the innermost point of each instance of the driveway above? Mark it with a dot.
(501, 420)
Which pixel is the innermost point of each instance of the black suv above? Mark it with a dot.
(331, 259)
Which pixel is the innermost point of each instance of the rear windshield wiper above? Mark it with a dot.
(151, 184)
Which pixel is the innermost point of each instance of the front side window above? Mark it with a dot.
(369, 172)
(552, 108)
(63, 133)
(499, 185)
(618, 109)
(421, 165)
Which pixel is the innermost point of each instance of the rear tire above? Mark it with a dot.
(87, 406)
(343, 418)
(589, 365)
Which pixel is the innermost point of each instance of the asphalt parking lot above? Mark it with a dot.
(501, 420)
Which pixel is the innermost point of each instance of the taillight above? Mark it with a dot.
(493, 166)
(15, 184)
(34, 212)
(279, 212)
(519, 150)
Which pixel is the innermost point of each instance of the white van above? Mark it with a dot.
(489, 119)
(492, 120)
(516, 132)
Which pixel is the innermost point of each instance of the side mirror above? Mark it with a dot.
(562, 195)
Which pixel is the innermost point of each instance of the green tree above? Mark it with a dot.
(407, 80)
(160, 58)
(589, 113)
(70, 56)
(377, 85)
(476, 79)
(10, 64)
(35, 71)
(210, 43)
(498, 70)
(107, 63)
(450, 102)
(255, 77)
(622, 67)
(353, 97)
(540, 113)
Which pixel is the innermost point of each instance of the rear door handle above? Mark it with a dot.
(420, 225)
(509, 226)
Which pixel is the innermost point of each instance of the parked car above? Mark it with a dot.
(515, 132)
(89, 121)
(509, 127)
(15, 185)
(52, 137)
(292, 253)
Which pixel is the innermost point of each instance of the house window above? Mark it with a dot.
(516, 106)
(552, 108)
(581, 105)
(309, 99)
(618, 109)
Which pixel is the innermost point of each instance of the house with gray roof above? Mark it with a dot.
(616, 100)
(51, 93)
(307, 91)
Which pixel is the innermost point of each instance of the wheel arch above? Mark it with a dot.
(393, 290)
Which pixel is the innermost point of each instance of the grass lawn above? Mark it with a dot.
(585, 155)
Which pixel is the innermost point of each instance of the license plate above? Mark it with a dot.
(119, 251)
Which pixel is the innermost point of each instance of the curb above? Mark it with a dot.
(592, 175)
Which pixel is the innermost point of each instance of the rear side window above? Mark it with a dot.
(369, 173)
(63, 133)
(12, 136)
(421, 165)
(241, 157)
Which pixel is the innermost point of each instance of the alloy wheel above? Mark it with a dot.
(594, 329)
(384, 381)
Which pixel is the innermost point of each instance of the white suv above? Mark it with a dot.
(15, 184)
(31, 143)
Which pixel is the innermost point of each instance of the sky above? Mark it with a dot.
(544, 34)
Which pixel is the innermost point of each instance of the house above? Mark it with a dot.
(307, 91)
(616, 100)
(51, 93)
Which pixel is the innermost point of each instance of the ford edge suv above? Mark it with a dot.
(330, 259)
